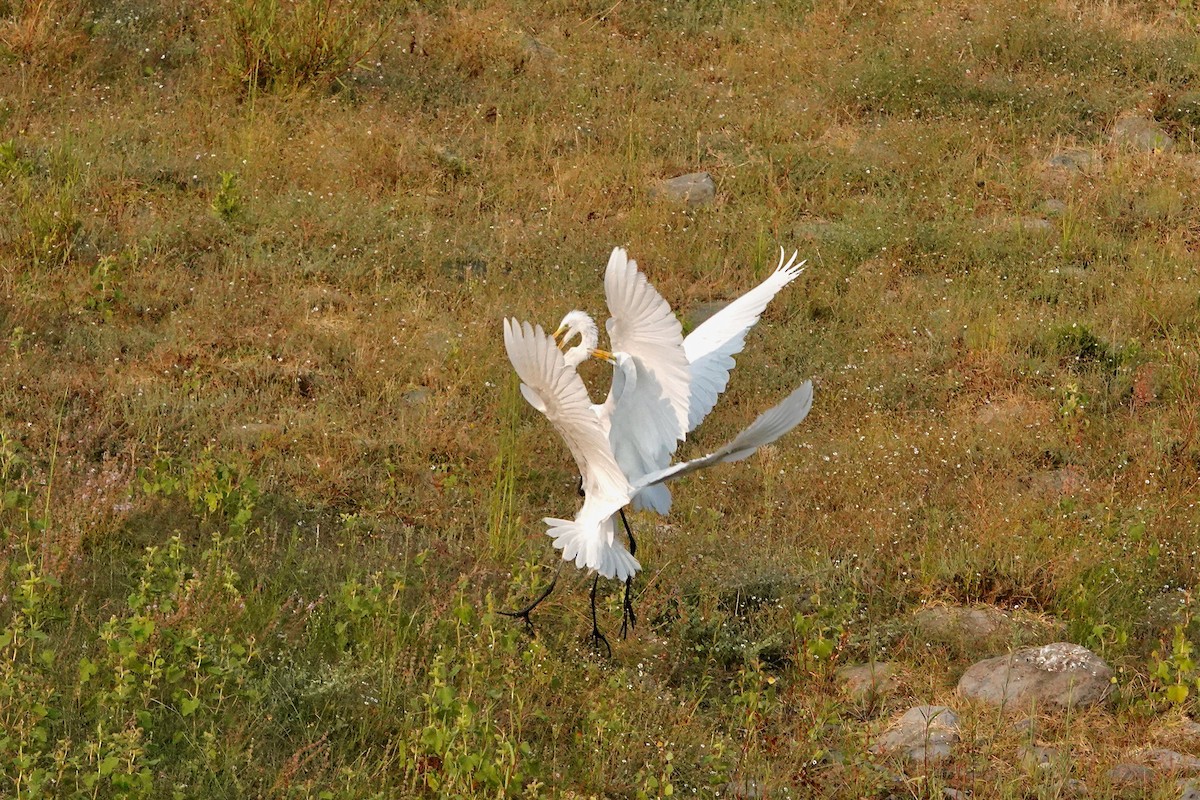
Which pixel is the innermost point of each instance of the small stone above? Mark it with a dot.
(694, 189)
(973, 629)
(1188, 789)
(945, 622)
(1085, 162)
(1144, 135)
(1164, 760)
(923, 734)
(1073, 787)
(954, 794)
(1060, 674)
(1035, 757)
(865, 681)
(1132, 775)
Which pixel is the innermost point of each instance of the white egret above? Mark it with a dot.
(663, 386)
(553, 387)
(640, 446)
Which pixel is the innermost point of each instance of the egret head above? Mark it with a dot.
(577, 323)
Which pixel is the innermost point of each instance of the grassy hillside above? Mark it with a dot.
(266, 476)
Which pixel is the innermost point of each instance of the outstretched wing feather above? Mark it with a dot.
(565, 403)
(643, 326)
(710, 348)
(770, 425)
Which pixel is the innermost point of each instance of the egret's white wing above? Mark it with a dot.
(769, 426)
(710, 348)
(643, 325)
(557, 391)
(640, 411)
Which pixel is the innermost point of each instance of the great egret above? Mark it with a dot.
(640, 445)
(663, 386)
(554, 388)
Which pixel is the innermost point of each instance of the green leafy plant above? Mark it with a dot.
(106, 287)
(227, 203)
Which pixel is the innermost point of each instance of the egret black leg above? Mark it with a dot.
(628, 618)
(597, 636)
(629, 533)
(580, 489)
(524, 612)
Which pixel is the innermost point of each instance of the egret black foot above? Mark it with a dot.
(599, 639)
(527, 610)
(597, 636)
(628, 618)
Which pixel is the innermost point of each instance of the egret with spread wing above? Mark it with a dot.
(657, 378)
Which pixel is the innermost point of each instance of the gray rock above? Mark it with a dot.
(1035, 757)
(954, 794)
(694, 189)
(956, 622)
(922, 734)
(1188, 790)
(1131, 775)
(976, 628)
(1084, 162)
(1060, 674)
(866, 681)
(1141, 134)
(1162, 760)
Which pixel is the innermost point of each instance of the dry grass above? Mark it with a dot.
(261, 316)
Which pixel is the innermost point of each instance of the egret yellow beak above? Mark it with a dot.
(604, 355)
(557, 334)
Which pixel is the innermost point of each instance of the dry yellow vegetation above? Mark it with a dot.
(266, 477)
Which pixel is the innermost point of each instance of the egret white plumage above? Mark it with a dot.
(662, 388)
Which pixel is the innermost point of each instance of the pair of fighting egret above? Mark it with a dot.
(663, 386)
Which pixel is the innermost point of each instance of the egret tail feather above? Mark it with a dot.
(589, 549)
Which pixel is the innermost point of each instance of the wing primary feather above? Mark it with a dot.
(710, 348)
(769, 426)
